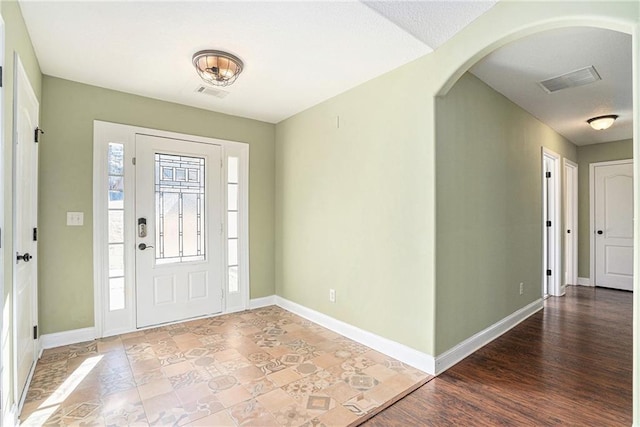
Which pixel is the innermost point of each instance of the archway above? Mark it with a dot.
(487, 35)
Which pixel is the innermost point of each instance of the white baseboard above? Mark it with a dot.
(262, 302)
(67, 337)
(401, 352)
(454, 355)
(410, 356)
(584, 281)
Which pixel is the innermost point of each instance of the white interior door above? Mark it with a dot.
(571, 223)
(179, 255)
(25, 220)
(551, 283)
(613, 223)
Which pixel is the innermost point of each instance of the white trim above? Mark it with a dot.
(262, 302)
(8, 411)
(75, 336)
(26, 389)
(592, 212)
(454, 355)
(585, 281)
(401, 352)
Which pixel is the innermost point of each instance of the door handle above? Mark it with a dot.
(143, 246)
(599, 231)
(26, 257)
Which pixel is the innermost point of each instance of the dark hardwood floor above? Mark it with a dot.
(569, 364)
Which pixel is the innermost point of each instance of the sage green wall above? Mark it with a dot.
(66, 156)
(351, 208)
(17, 41)
(587, 154)
(488, 208)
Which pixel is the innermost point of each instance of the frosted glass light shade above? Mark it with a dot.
(602, 122)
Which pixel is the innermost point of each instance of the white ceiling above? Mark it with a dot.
(296, 54)
(516, 69)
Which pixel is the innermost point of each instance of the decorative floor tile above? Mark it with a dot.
(126, 415)
(264, 367)
(83, 410)
(248, 413)
(222, 382)
(293, 415)
(271, 366)
(259, 387)
(360, 405)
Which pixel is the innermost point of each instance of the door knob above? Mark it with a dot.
(26, 257)
(599, 231)
(143, 246)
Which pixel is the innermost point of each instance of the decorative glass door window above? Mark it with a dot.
(180, 201)
(232, 223)
(116, 226)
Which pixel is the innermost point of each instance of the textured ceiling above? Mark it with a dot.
(516, 69)
(432, 22)
(297, 54)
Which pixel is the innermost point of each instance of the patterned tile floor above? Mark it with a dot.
(264, 367)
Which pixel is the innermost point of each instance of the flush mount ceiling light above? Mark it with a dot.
(216, 67)
(602, 122)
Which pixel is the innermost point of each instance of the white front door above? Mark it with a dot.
(613, 222)
(179, 253)
(25, 220)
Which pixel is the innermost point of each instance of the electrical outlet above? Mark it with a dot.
(521, 288)
(332, 295)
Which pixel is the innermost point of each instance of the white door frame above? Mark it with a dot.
(571, 222)
(19, 75)
(123, 321)
(554, 244)
(5, 414)
(592, 214)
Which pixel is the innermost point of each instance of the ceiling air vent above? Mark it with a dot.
(218, 93)
(573, 79)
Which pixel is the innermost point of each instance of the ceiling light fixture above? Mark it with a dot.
(602, 122)
(216, 67)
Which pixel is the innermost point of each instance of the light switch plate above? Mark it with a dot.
(75, 218)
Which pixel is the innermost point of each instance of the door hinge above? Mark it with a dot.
(221, 228)
(548, 272)
(35, 234)
(133, 161)
(548, 174)
(1, 77)
(36, 135)
(548, 223)
(35, 332)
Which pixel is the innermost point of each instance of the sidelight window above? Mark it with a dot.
(232, 222)
(116, 226)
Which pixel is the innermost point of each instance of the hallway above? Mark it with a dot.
(569, 364)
